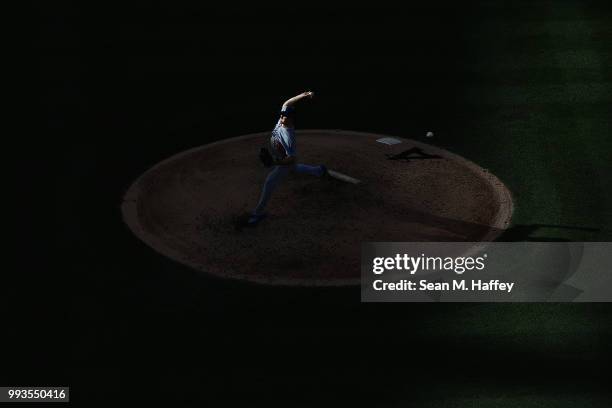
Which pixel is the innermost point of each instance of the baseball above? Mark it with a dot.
(429, 134)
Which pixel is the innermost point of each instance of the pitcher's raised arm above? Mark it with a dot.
(297, 98)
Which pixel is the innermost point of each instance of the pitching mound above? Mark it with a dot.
(187, 206)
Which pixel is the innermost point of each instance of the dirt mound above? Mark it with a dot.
(186, 207)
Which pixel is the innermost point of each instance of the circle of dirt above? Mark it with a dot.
(186, 206)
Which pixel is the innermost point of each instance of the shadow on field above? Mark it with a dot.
(416, 153)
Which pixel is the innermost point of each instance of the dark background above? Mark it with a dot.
(127, 85)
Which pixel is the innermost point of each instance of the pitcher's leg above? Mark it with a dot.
(308, 169)
(277, 175)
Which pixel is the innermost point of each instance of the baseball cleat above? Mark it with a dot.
(254, 219)
(325, 172)
(247, 220)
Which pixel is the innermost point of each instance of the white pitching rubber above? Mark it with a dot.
(343, 177)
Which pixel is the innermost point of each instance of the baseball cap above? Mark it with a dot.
(287, 111)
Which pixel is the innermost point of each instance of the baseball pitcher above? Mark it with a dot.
(283, 156)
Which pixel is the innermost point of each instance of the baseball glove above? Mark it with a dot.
(266, 157)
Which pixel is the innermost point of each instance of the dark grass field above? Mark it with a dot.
(521, 88)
